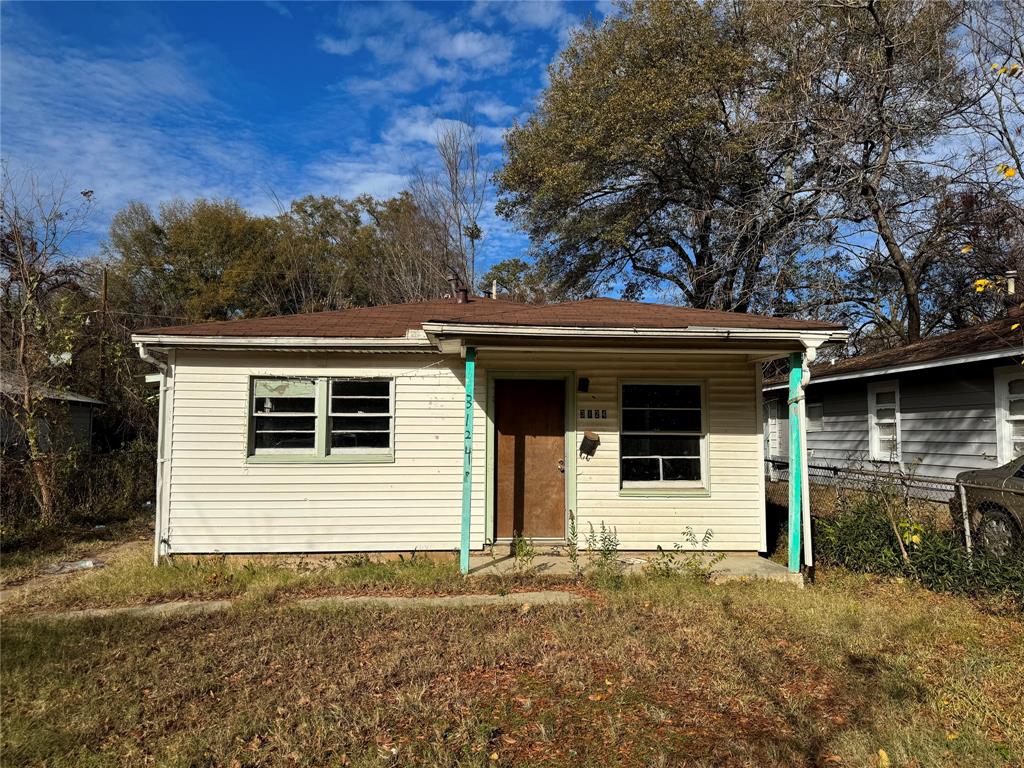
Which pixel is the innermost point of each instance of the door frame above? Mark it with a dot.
(569, 377)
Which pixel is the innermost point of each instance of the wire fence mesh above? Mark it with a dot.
(831, 488)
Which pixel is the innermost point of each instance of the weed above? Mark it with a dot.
(523, 553)
(692, 560)
(603, 546)
(573, 547)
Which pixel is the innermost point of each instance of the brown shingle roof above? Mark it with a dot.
(992, 336)
(393, 320)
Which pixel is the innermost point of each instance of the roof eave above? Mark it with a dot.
(279, 342)
(977, 357)
(808, 336)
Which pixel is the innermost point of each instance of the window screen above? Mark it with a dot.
(284, 415)
(360, 413)
(661, 434)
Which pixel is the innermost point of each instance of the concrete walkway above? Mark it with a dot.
(193, 607)
(733, 567)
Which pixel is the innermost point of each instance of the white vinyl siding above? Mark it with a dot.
(884, 421)
(732, 504)
(219, 501)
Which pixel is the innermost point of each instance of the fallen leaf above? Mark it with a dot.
(883, 759)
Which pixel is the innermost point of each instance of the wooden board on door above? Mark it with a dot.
(529, 499)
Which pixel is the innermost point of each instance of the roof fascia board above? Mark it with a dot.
(260, 342)
(808, 337)
(958, 360)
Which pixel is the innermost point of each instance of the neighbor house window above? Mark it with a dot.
(815, 417)
(1009, 413)
(361, 414)
(321, 417)
(884, 421)
(662, 435)
(284, 415)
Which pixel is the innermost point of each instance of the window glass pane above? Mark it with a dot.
(284, 388)
(1017, 429)
(680, 469)
(885, 414)
(360, 405)
(265, 404)
(361, 387)
(360, 423)
(285, 440)
(886, 431)
(1017, 407)
(360, 439)
(285, 423)
(1017, 387)
(640, 469)
(634, 420)
(1018, 448)
(885, 398)
(635, 445)
(660, 396)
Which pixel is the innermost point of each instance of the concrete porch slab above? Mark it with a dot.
(735, 566)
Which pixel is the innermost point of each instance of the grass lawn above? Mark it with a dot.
(656, 672)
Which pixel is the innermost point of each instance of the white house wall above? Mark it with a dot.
(219, 502)
(733, 507)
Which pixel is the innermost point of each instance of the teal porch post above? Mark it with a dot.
(796, 459)
(467, 462)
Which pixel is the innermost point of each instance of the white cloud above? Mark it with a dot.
(494, 109)
(419, 48)
(531, 14)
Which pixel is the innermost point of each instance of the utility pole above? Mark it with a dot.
(103, 331)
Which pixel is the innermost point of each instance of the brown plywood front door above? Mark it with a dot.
(529, 465)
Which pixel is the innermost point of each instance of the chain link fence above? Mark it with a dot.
(939, 500)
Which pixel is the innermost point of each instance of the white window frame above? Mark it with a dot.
(1004, 436)
(874, 450)
(390, 415)
(815, 423)
(668, 485)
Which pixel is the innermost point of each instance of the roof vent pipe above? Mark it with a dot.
(461, 294)
(1011, 282)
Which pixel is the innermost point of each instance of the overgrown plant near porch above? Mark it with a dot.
(692, 560)
(884, 532)
(603, 547)
(523, 553)
(572, 547)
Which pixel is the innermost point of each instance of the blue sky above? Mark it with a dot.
(252, 101)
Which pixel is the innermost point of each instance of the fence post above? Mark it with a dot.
(967, 518)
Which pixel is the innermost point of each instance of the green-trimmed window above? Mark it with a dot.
(361, 412)
(662, 435)
(318, 418)
(284, 415)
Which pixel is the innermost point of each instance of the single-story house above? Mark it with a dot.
(456, 423)
(76, 429)
(935, 408)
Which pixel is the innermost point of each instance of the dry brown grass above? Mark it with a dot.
(660, 672)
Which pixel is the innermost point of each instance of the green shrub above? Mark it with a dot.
(860, 537)
(88, 488)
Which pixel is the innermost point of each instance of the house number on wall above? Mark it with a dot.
(593, 413)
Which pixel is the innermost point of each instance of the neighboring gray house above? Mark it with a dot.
(936, 407)
(78, 427)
